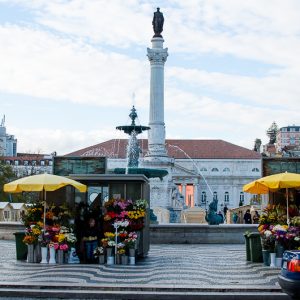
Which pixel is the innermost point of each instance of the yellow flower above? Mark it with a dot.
(109, 234)
(40, 224)
(61, 237)
(36, 231)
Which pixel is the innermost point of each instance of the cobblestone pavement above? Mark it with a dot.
(172, 265)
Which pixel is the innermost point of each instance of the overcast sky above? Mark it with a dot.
(68, 69)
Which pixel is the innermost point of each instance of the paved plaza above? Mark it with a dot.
(199, 268)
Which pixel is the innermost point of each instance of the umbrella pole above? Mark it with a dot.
(287, 207)
(44, 211)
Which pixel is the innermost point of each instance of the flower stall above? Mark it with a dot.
(276, 235)
(110, 227)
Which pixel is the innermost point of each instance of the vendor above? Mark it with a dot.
(89, 240)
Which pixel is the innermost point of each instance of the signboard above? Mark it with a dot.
(280, 165)
(64, 165)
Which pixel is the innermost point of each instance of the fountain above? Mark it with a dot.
(211, 217)
(133, 150)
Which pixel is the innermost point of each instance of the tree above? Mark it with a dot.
(6, 175)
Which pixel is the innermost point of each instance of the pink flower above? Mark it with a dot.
(64, 247)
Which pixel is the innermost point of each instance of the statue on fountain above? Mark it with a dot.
(177, 198)
(211, 217)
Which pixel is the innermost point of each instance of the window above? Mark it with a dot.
(215, 197)
(42, 162)
(16, 162)
(203, 197)
(8, 162)
(215, 170)
(6, 214)
(242, 197)
(50, 162)
(226, 170)
(33, 163)
(226, 197)
(25, 162)
(203, 169)
(255, 170)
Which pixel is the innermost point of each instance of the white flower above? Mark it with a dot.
(268, 233)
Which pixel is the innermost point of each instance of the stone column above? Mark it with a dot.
(184, 192)
(196, 200)
(156, 135)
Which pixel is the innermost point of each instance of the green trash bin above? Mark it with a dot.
(255, 247)
(21, 248)
(247, 243)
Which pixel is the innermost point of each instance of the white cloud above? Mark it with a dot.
(44, 140)
(40, 64)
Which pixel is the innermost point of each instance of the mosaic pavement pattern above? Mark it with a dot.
(172, 265)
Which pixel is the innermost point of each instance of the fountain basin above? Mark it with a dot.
(148, 172)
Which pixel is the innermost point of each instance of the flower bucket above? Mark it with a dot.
(101, 259)
(52, 259)
(44, 251)
(110, 260)
(131, 260)
(132, 252)
(30, 253)
(60, 256)
(266, 257)
(124, 259)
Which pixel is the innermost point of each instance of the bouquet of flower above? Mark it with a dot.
(98, 251)
(32, 215)
(131, 240)
(121, 248)
(268, 241)
(140, 204)
(29, 239)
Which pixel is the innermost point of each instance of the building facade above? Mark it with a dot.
(286, 137)
(8, 143)
(25, 164)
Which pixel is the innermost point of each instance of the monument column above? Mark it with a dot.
(157, 56)
(156, 136)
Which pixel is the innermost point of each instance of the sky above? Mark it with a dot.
(70, 70)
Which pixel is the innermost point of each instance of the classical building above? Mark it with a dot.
(8, 143)
(201, 170)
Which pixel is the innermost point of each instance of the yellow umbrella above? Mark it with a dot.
(273, 183)
(42, 182)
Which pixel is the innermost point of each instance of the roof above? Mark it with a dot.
(17, 205)
(179, 149)
(3, 204)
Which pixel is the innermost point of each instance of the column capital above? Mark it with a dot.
(157, 56)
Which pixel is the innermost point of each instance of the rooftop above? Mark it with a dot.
(179, 149)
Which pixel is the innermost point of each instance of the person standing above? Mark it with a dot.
(247, 217)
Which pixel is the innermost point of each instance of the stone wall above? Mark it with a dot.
(7, 230)
(199, 233)
(172, 233)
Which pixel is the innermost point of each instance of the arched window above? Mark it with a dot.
(226, 197)
(226, 170)
(203, 197)
(255, 170)
(215, 170)
(215, 197)
(203, 169)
